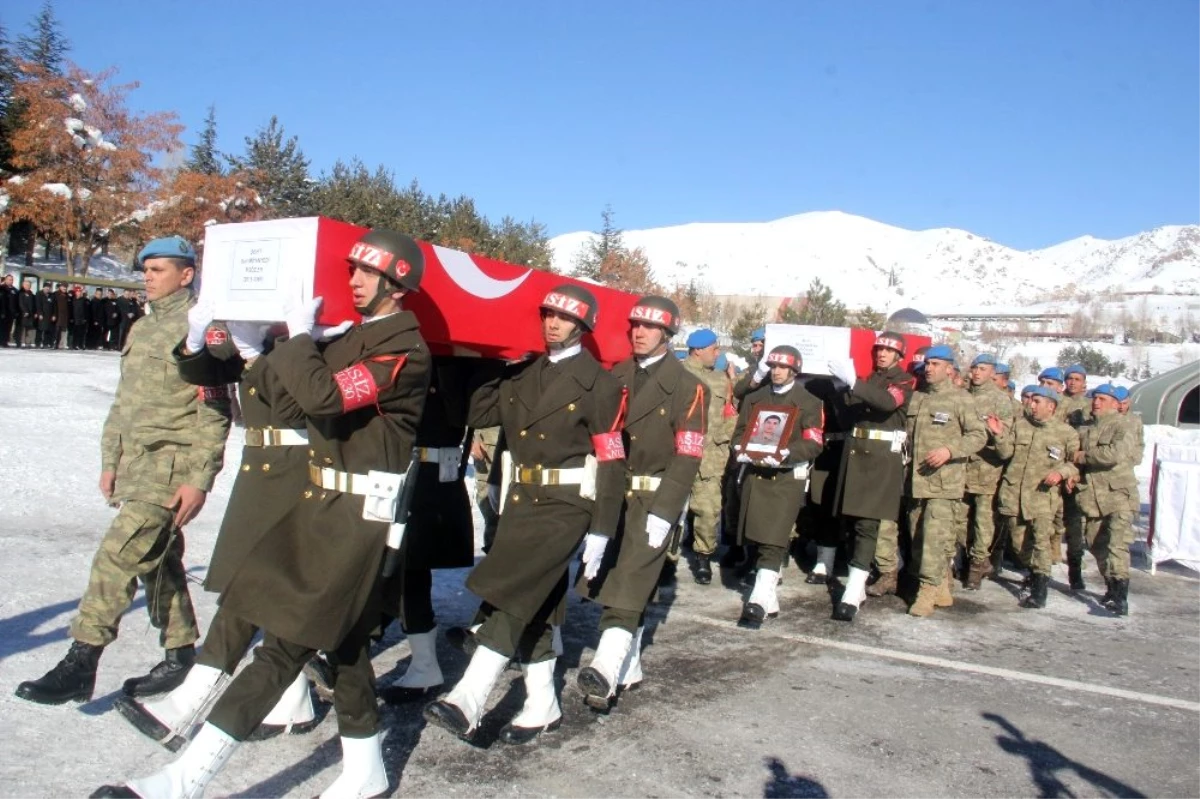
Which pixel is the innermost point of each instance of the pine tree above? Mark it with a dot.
(205, 160)
(45, 44)
(818, 307)
(870, 319)
(749, 320)
(277, 170)
(8, 108)
(607, 242)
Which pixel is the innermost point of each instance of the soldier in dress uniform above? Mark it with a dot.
(26, 324)
(162, 447)
(774, 485)
(668, 409)
(943, 431)
(8, 310)
(984, 469)
(559, 482)
(704, 504)
(47, 315)
(871, 473)
(1040, 453)
(311, 581)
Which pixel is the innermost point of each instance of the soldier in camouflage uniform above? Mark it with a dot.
(1106, 492)
(483, 450)
(943, 431)
(984, 468)
(162, 447)
(1041, 453)
(704, 505)
(1074, 408)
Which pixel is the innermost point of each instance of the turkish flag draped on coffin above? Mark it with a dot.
(466, 303)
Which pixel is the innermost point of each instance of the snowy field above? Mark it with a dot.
(982, 699)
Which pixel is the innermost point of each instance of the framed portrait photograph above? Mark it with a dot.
(769, 430)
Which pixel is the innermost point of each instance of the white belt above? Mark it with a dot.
(434, 454)
(641, 482)
(275, 437)
(548, 477)
(879, 435)
(334, 480)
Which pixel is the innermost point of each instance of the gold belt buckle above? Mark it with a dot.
(254, 437)
(314, 475)
(527, 475)
(550, 477)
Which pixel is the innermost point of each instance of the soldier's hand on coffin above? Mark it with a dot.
(843, 369)
(744, 458)
(594, 545)
(994, 425)
(937, 458)
(330, 332)
(783, 454)
(248, 338)
(108, 484)
(1053, 479)
(301, 318)
(657, 530)
(187, 502)
(200, 316)
(494, 497)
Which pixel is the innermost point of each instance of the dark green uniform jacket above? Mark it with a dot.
(872, 477)
(314, 573)
(664, 438)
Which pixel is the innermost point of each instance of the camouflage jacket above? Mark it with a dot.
(720, 427)
(1075, 411)
(941, 415)
(1108, 484)
(985, 466)
(1035, 449)
(162, 432)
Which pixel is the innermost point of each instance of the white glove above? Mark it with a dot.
(494, 497)
(783, 455)
(760, 373)
(744, 458)
(656, 530)
(330, 332)
(594, 545)
(200, 316)
(302, 318)
(843, 369)
(769, 460)
(248, 338)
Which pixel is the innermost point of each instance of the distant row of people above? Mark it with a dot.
(58, 317)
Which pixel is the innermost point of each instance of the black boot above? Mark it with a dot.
(733, 557)
(703, 574)
(1119, 603)
(844, 611)
(1038, 586)
(74, 678)
(1075, 573)
(1108, 591)
(164, 677)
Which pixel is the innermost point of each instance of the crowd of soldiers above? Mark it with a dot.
(64, 317)
(351, 491)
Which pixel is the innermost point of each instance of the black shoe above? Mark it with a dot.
(110, 791)
(593, 684)
(164, 677)
(816, 578)
(1108, 591)
(145, 723)
(733, 557)
(523, 735)
(322, 674)
(703, 574)
(666, 578)
(74, 678)
(844, 612)
(1118, 603)
(401, 694)
(753, 615)
(1075, 574)
(1039, 584)
(462, 639)
(449, 717)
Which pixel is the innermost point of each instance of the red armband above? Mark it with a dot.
(358, 387)
(215, 337)
(814, 434)
(689, 443)
(609, 446)
(897, 394)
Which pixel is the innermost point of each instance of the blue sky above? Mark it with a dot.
(1027, 121)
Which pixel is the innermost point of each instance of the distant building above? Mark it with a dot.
(910, 320)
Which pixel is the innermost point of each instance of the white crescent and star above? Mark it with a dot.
(466, 273)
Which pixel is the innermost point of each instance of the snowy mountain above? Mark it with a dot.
(937, 270)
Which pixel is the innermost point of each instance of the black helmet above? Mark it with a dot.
(393, 255)
(893, 341)
(785, 355)
(574, 301)
(658, 311)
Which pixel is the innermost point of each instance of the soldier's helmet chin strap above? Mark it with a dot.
(385, 289)
(570, 341)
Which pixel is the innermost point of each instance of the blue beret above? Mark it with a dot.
(984, 358)
(168, 247)
(1075, 369)
(759, 334)
(1002, 368)
(1012, 385)
(939, 353)
(701, 338)
(1029, 389)
(1053, 373)
(1044, 391)
(722, 363)
(1108, 390)
(1122, 393)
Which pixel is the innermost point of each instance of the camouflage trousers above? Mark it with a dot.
(1030, 540)
(1108, 539)
(887, 547)
(704, 510)
(962, 516)
(491, 519)
(141, 544)
(932, 522)
(983, 524)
